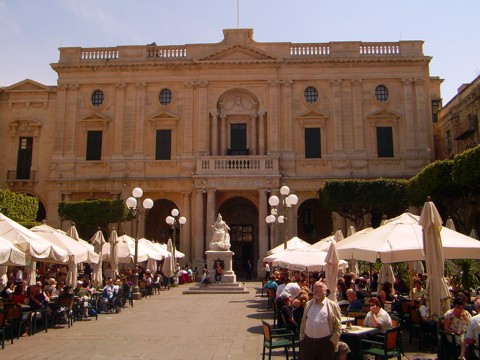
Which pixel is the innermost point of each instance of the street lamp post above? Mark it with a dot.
(286, 202)
(175, 222)
(134, 207)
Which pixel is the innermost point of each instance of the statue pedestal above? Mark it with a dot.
(228, 275)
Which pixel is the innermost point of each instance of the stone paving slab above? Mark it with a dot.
(167, 326)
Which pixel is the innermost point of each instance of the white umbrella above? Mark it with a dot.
(400, 239)
(151, 265)
(31, 243)
(338, 236)
(32, 273)
(351, 230)
(293, 243)
(474, 234)
(3, 274)
(78, 252)
(169, 263)
(124, 250)
(153, 252)
(331, 271)
(324, 244)
(72, 273)
(97, 275)
(437, 287)
(305, 259)
(178, 253)
(10, 254)
(72, 232)
(450, 224)
(114, 258)
(386, 275)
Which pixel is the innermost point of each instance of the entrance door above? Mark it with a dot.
(24, 158)
(241, 239)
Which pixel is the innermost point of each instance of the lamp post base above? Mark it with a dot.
(136, 294)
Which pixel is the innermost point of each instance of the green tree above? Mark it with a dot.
(21, 208)
(91, 214)
(354, 199)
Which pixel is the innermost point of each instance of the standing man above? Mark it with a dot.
(321, 326)
(267, 271)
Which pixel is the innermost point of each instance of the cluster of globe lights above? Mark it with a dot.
(288, 201)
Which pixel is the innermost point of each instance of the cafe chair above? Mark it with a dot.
(448, 347)
(359, 320)
(64, 310)
(142, 285)
(17, 320)
(3, 328)
(277, 339)
(387, 347)
(264, 281)
(270, 299)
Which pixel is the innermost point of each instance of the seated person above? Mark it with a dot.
(206, 278)
(377, 317)
(287, 313)
(271, 284)
(354, 303)
(108, 290)
(51, 289)
(457, 319)
(7, 292)
(19, 295)
(342, 351)
(418, 291)
(472, 333)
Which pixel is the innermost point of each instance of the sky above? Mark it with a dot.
(33, 30)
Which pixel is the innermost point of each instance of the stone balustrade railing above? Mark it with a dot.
(338, 50)
(232, 165)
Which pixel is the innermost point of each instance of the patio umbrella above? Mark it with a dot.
(331, 271)
(97, 276)
(437, 288)
(400, 239)
(10, 254)
(305, 259)
(351, 230)
(32, 244)
(323, 244)
(178, 253)
(450, 224)
(169, 263)
(3, 274)
(474, 234)
(32, 273)
(353, 262)
(293, 243)
(151, 265)
(113, 241)
(338, 236)
(385, 275)
(72, 273)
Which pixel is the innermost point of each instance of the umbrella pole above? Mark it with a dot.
(410, 276)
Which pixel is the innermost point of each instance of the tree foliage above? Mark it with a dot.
(466, 168)
(94, 212)
(354, 199)
(21, 208)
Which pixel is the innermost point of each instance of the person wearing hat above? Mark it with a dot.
(51, 289)
(286, 313)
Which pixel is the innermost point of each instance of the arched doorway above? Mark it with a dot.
(241, 215)
(156, 228)
(314, 223)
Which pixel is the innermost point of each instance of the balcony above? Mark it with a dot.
(237, 165)
(21, 180)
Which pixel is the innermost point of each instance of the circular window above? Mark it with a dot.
(97, 98)
(311, 95)
(381, 93)
(165, 97)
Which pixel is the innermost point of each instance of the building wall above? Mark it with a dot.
(214, 86)
(457, 128)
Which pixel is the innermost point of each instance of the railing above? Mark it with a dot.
(13, 175)
(380, 49)
(167, 52)
(99, 54)
(234, 165)
(309, 50)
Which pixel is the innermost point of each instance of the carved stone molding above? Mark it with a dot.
(25, 127)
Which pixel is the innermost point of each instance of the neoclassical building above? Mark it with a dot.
(218, 128)
(457, 125)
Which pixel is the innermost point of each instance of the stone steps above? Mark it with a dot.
(222, 288)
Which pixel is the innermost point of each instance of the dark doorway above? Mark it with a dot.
(314, 223)
(24, 158)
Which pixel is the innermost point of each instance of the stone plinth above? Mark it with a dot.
(228, 275)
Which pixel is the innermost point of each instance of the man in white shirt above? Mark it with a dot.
(321, 326)
(267, 271)
(473, 331)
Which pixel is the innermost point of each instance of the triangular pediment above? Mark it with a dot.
(383, 114)
(238, 52)
(312, 115)
(164, 116)
(28, 85)
(96, 117)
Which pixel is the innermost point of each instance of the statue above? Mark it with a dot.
(221, 237)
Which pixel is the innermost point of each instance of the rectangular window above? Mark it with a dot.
(163, 150)
(384, 142)
(312, 143)
(24, 157)
(94, 145)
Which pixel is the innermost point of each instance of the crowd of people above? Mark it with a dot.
(303, 306)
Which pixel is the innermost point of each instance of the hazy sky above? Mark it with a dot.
(33, 30)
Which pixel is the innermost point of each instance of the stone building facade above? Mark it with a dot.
(219, 127)
(457, 126)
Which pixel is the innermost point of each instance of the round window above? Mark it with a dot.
(311, 95)
(381, 93)
(165, 97)
(97, 98)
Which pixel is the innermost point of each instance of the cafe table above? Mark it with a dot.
(346, 319)
(352, 337)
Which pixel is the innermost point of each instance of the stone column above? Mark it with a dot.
(119, 118)
(262, 225)
(423, 126)
(337, 115)
(358, 136)
(197, 222)
(185, 234)
(273, 118)
(211, 215)
(214, 139)
(261, 133)
(140, 120)
(253, 134)
(188, 127)
(70, 135)
(223, 135)
(408, 109)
